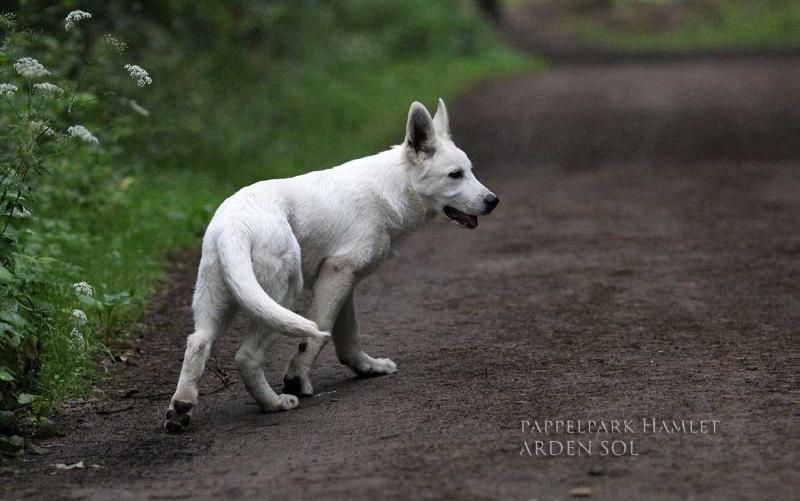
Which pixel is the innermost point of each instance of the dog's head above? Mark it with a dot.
(441, 173)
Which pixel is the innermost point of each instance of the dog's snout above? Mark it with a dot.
(491, 202)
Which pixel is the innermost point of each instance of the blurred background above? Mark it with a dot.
(241, 91)
(665, 26)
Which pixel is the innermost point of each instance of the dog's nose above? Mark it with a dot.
(491, 202)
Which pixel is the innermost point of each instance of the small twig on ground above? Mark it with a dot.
(152, 396)
(223, 376)
(105, 412)
(215, 369)
(215, 390)
(324, 393)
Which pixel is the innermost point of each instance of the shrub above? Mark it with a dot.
(63, 119)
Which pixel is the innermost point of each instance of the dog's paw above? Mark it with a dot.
(283, 403)
(178, 416)
(297, 385)
(366, 366)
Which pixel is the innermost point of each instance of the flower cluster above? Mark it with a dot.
(82, 133)
(29, 67)
(115, 43)
(139, 74)
(74, 17)
(40, 128)
(48, 88)
(8, 21)
(7, 89)
(77, 339)
(83, 289)
(80, 316)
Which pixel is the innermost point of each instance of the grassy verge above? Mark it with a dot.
(703, 25)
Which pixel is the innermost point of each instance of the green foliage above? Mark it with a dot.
(241, 91)
(53, 170)
(283, 85)
(693, 24)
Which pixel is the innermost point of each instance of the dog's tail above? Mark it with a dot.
(237, 268)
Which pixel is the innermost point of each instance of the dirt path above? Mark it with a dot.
(644, 262)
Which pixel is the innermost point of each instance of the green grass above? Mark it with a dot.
(122, 245)
(121, 248)
(721, 24)
(358, 113)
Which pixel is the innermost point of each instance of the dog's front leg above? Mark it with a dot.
(333, 286)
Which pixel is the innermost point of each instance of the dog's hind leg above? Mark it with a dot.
(212, 315)
(249, 360)
(281, 277)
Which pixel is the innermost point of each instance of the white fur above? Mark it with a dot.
(326, 230)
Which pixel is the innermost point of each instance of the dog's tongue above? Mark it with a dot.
(469, 221)
(464, 220)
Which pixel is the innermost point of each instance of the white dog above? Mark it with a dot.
(327, 230)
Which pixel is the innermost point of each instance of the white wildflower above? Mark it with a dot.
(115, 43)
(74, 17)
(83, 289)
(8, 20)
(29, 67)
(48, 88)
(80, 316)
(7, 89)
(41, 128)
(82, 133)
(139, 74)
(77, 339)
(20, 212)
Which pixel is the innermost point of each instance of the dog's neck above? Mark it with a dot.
(403, 209)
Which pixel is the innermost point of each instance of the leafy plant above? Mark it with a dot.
(44, 137)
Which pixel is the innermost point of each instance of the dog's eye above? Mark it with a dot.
(457, 174)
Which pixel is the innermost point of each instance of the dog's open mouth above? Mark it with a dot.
(461, 218)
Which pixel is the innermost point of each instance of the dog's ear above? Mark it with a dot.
(441, 122)
(420, 134)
